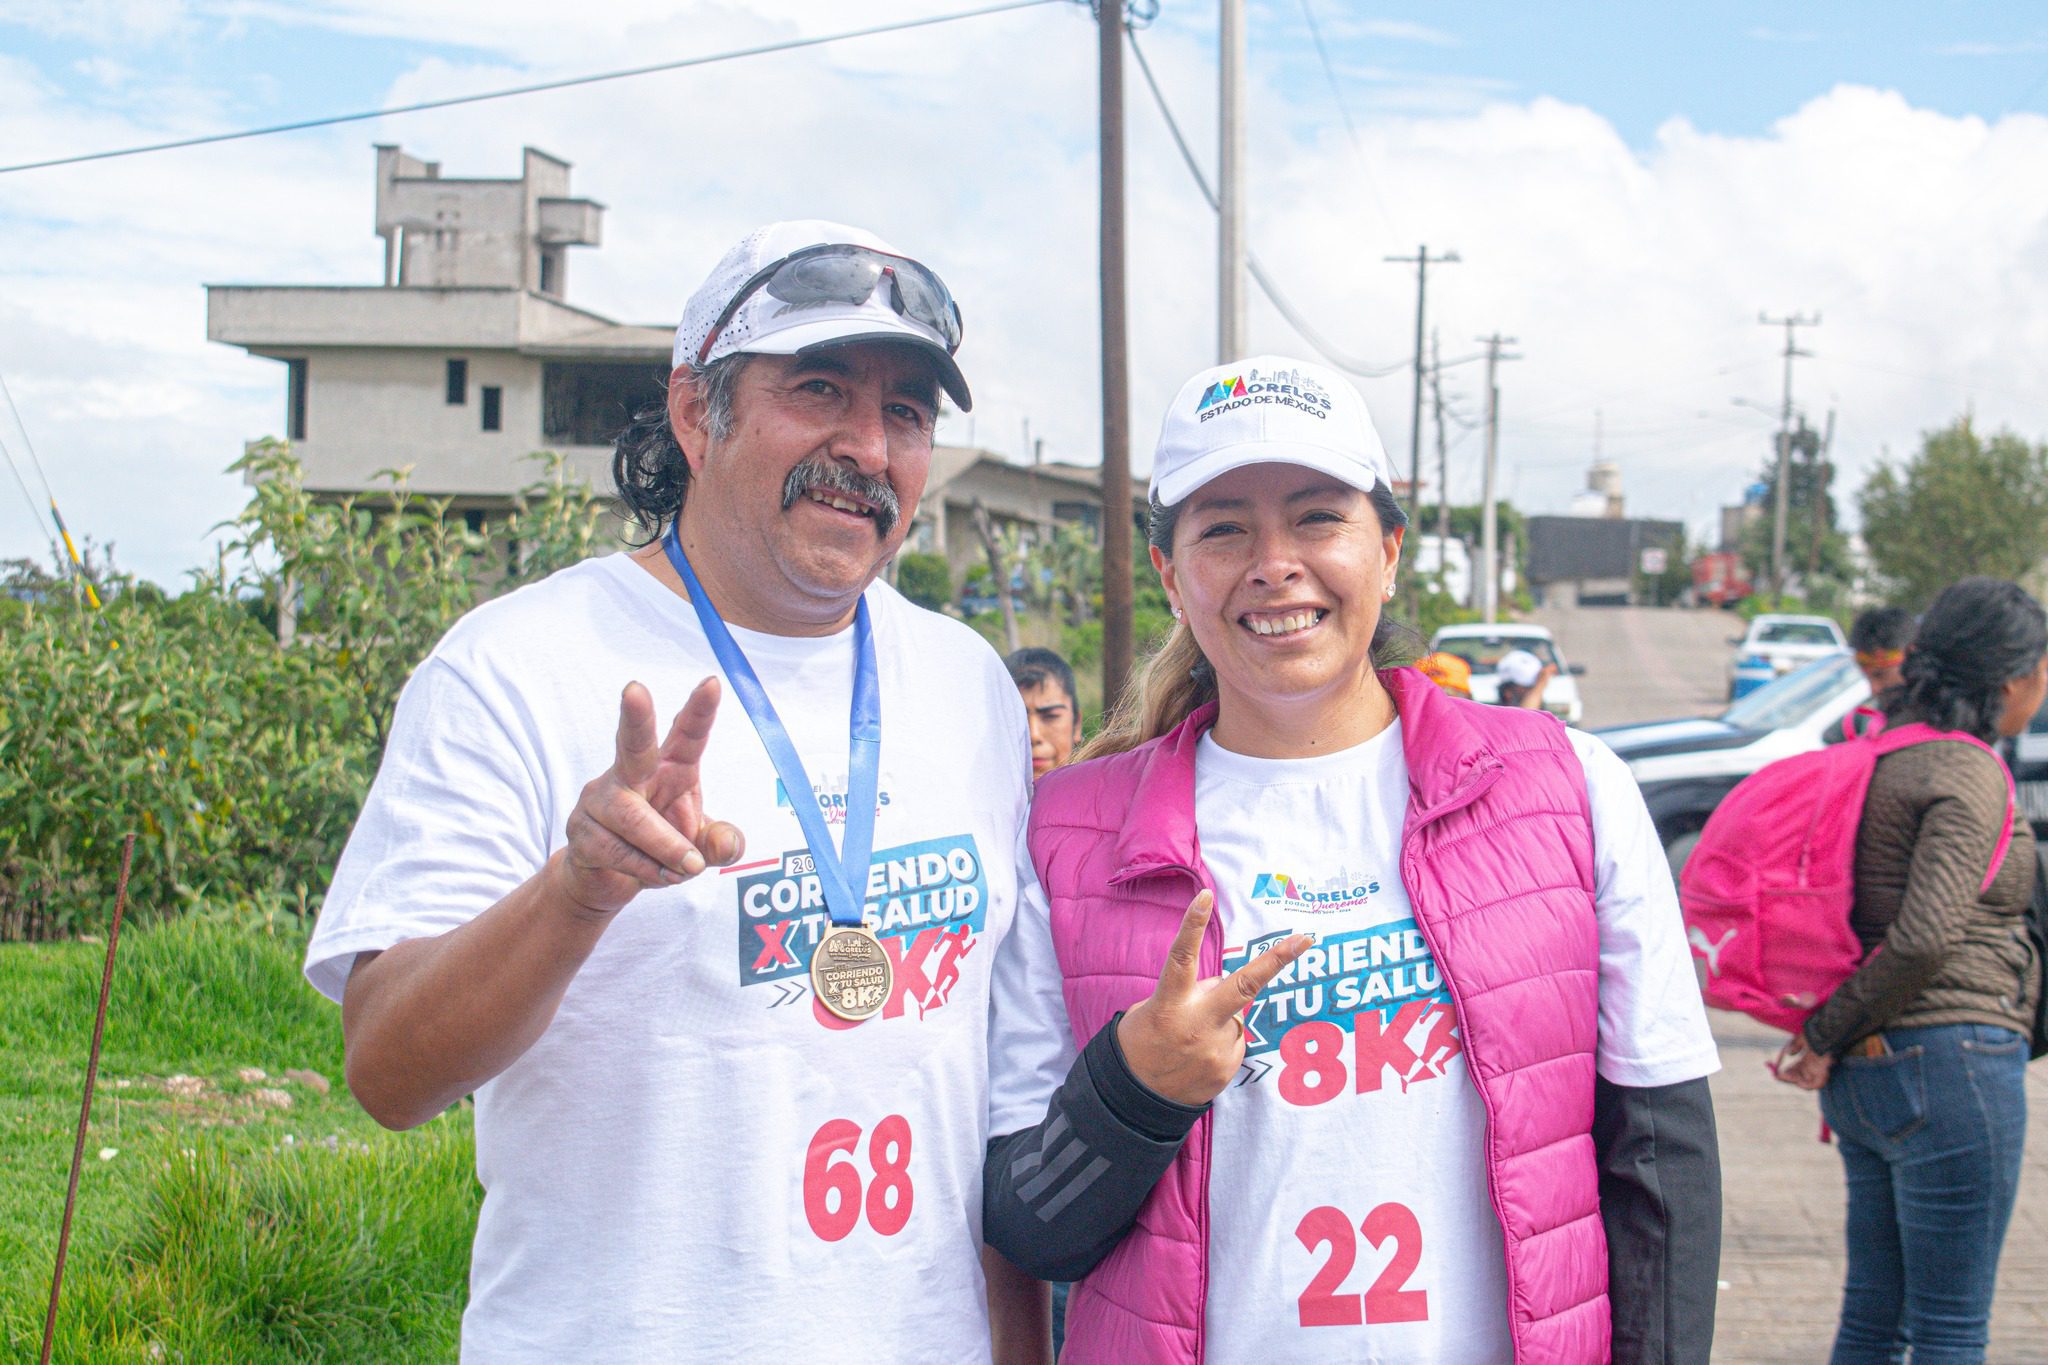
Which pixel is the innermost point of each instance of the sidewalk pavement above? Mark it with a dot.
(1781, 1250)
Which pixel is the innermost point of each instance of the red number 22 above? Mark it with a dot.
(1386, 1300)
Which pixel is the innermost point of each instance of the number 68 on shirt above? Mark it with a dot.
(835, 1191)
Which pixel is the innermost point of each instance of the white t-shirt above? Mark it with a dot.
(1349, 1218)
(665, 1169)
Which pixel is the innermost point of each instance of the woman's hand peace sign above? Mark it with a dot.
(1187, 1040)
(642, 824)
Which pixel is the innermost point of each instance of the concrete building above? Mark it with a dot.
(467, 357)
(1598, 561)
(1037, 499)
(1602, 495)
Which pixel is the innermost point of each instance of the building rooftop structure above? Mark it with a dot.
(467, 356)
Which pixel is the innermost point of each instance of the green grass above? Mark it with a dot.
(224, 1227)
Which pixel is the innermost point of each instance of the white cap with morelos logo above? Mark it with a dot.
(1266, 410)
(765, 324)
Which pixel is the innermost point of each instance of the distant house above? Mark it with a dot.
(467, 357)
(1036, 499)
(1598, 561)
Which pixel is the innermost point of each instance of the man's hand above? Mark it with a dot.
(642, 824)
(1186, 1041)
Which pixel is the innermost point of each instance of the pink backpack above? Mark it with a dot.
(1767, 891)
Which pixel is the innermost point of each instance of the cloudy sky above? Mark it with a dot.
(1628, 186)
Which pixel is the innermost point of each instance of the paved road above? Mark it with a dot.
(1643, 663)
(1782, 1251)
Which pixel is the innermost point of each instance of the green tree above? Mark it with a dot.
(1962, 505)
(925, 579)
(1815, 547)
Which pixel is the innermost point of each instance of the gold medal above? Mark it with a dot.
(851, 973)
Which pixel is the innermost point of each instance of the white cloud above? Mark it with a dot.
(1632, 276)
(1393, 30)
(1779, 35)
(2020, 48)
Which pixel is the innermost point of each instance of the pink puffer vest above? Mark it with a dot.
(1497, 859)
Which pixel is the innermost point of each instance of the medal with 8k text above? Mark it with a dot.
(850, 971)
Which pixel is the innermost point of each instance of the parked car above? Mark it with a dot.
(2028, 756)
(1776, 645)
(1482, 647)
(1685, 767)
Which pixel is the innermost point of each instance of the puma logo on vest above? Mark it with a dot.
(1697, 937)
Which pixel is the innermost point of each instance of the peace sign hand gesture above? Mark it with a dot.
(642, 823)
(1187, 1040)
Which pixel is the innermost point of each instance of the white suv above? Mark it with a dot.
(1776, 645)
(1482, 647)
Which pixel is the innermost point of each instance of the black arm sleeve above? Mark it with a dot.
(1660, 1197)
(1056, 1197)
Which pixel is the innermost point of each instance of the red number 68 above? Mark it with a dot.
(832, 1188)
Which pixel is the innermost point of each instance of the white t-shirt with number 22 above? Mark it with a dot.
(694, 1161)
(1349, 1218)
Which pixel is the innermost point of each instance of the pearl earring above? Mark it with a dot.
(1176, 613)
(1390, 589)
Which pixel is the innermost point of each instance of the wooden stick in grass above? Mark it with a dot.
(92, 1071)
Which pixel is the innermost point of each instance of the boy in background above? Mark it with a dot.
(1047, 686)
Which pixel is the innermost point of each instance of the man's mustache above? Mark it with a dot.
(817, 474)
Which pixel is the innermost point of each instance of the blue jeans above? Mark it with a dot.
(1931, 1137)
(1059, 1317)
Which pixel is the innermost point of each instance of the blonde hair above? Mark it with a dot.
(1177, 679)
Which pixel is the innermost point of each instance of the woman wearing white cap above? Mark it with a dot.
(1467, 1121)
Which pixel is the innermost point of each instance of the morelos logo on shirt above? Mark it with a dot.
(1288, 388)
(1280, 891)
(831, 799)
(1349, 1014)
(927, 903)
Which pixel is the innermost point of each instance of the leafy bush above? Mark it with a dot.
(925, 579)
(182, 722)
(239, 764)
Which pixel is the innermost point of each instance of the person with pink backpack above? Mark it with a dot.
(1920, 1053)
(1369, 1032)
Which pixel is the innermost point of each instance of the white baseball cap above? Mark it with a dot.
(1520, 667)
(763, 324)
(1266, 410)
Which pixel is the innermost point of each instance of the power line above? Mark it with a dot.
(26, 444)
(35, 511)
(1365, 369)
(534, 89)
(56, 517)
(1315, 33)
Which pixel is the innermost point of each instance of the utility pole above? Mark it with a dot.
(1489, 514)
(1790, 322)
(1421, 260)
(1230, 163)
(1116, 388)
(1443, 458)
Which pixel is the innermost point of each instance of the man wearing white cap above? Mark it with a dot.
(1523, 677)
(721, 993)
(1470, 1123)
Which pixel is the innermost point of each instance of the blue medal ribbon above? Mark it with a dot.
(844, 875)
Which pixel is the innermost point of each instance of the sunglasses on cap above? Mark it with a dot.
(843, 273)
